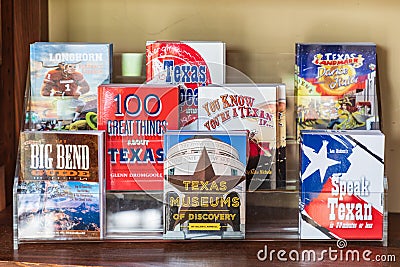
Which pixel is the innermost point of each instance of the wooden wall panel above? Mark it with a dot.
(23, 22)
(7, 124)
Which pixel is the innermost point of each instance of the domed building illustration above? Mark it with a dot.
(183, 157)
(204, 188)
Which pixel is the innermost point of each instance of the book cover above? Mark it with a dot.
(342, 185)
(204, 187)
(251, 107)
(135, 118)
(60, 188)
(335, 85)
(188, 63)
(64, 79)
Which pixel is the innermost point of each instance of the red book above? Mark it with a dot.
(135, 118)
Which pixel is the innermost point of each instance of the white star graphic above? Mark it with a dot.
(318, 161)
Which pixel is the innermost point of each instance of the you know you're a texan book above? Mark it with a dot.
(257, 109)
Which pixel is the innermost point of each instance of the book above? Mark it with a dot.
(60, 190)
(342, 184)
(251, 107)
(335, 86)
(204, 187)
(64, 79)
(135, 118)
(188, 63)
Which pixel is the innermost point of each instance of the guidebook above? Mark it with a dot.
(60, 187)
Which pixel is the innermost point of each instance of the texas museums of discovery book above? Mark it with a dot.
(204, 186)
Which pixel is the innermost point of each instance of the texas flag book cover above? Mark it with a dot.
(342, 185)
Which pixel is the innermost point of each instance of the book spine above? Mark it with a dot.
(296, 89)
(281, 137)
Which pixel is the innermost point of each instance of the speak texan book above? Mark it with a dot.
(204, 187)
(188, 63)
(135, 117)
(64, 79)
(60, 187)
(335, 86)
(342, 185)
(257, 109)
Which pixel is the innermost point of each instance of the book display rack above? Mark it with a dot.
(198, 150)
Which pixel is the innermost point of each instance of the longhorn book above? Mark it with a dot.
(64, 80)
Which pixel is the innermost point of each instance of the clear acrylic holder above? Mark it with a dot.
(271, 214)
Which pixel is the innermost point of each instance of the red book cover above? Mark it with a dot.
(135, 118)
